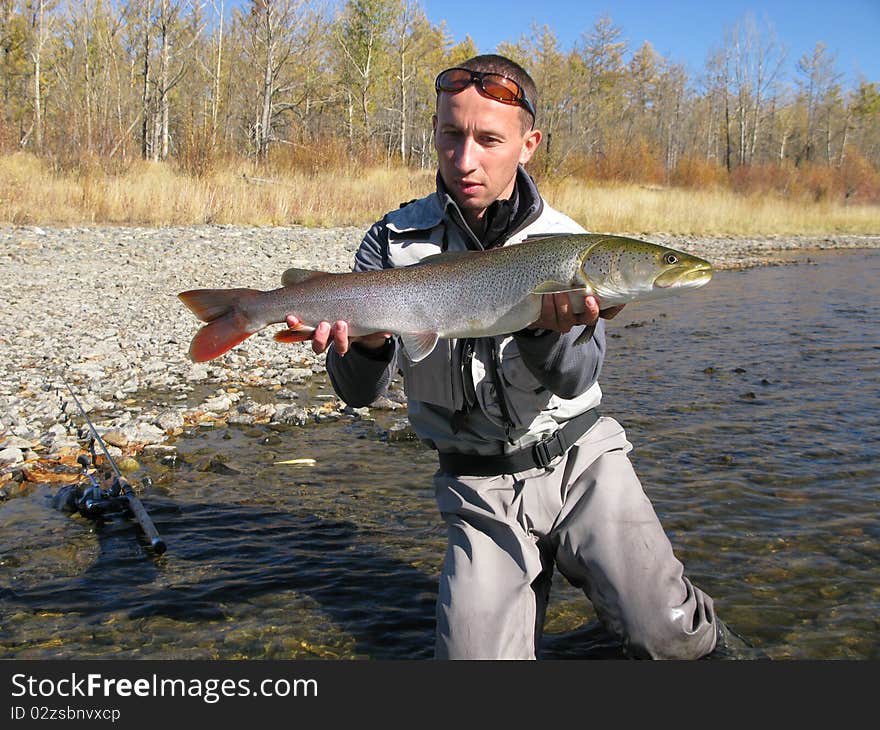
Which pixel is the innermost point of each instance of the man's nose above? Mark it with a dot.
(466, 154)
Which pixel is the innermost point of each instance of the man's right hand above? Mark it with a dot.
(337, 333)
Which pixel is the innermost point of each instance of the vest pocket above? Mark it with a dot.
(526, 398)
(431, 379)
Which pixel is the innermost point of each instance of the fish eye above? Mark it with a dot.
(670, 258)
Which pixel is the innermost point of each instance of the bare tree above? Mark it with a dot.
(41, 22)
(818, 79)
(274, 30)
(217, 43)
(757, 58)
(360, 35)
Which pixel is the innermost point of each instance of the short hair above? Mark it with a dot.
(496, 64)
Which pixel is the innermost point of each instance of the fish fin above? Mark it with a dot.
(554, 287)
(419, 345)
(586, 334)
(575, 296)
(445, 257)
(209, 304)
(301, 333)
(294, 276)
(217, 337)
(226, 327)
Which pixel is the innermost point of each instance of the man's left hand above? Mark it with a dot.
(558, 313)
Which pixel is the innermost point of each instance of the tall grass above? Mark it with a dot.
(34, 191)
(653, 209)
(155, 194)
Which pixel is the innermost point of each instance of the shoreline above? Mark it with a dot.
(98, 305)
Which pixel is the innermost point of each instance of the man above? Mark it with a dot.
(530, 477)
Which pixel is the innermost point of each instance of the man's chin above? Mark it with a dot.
(473, 205)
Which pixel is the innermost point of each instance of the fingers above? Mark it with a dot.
(324, 334)
(558, 313)
(339, 331)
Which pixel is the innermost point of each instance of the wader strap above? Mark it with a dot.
(540, 455)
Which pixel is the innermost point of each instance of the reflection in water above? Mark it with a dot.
(752, 405)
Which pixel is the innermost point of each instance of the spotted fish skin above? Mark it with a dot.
(453, 295)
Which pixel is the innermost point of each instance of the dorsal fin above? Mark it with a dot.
(295, 276)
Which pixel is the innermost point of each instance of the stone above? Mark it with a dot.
(170, 420)
(115, 438)
(401, 431)
(293, 415)
(11, 455)
(17, 442)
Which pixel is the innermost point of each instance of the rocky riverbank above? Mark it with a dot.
(98, 307)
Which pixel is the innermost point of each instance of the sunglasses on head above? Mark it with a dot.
(495, 86)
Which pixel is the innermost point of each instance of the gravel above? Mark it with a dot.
(98, 307)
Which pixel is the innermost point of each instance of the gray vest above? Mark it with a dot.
(435, 387)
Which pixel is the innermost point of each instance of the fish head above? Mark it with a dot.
(620, 270)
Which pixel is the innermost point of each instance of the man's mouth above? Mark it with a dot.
(468, 187)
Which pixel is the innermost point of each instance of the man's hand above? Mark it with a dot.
(558, 314)
(338, 333)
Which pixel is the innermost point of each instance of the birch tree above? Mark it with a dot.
(361, 35)
(273, 29)
(41, 21)
(817, 79)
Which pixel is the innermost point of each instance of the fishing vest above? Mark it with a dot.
(510, 399)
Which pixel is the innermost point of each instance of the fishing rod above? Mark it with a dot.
(95, 500)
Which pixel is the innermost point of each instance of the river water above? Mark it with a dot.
(753, 407)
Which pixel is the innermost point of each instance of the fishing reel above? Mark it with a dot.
(93, 496)
(112, 494)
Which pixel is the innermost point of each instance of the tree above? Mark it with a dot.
(362, 40)
(757, 58)
(597, 68)
(14, 70)
(41, 22)
(818, 81)
(539, 52)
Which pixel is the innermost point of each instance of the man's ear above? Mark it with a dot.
(530, 144)
(434, 124)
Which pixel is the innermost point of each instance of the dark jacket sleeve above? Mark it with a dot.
(566, 369)
(361, 376)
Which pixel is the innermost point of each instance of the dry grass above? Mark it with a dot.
(155, 194)
(640, 209)
(32, 192)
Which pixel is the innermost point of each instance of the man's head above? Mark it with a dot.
(497, 78)
(483, 130)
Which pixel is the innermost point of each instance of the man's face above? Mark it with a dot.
(479, 143)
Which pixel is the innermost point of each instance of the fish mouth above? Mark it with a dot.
(689, 277)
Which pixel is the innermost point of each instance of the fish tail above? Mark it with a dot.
(228, 324)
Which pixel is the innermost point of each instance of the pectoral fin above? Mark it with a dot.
(575, 295)
(301, 333)
(586, 334)
(557, 287)
(418, 345)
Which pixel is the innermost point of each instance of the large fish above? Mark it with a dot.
(450, 295)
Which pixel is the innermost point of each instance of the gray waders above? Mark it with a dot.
(589, 516)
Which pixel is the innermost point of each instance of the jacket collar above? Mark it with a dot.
(429, 212)
(505, 217)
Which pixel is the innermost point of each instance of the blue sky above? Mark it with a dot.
(682, 31)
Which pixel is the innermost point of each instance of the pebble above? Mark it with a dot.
(11, 455)
(115, 329)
